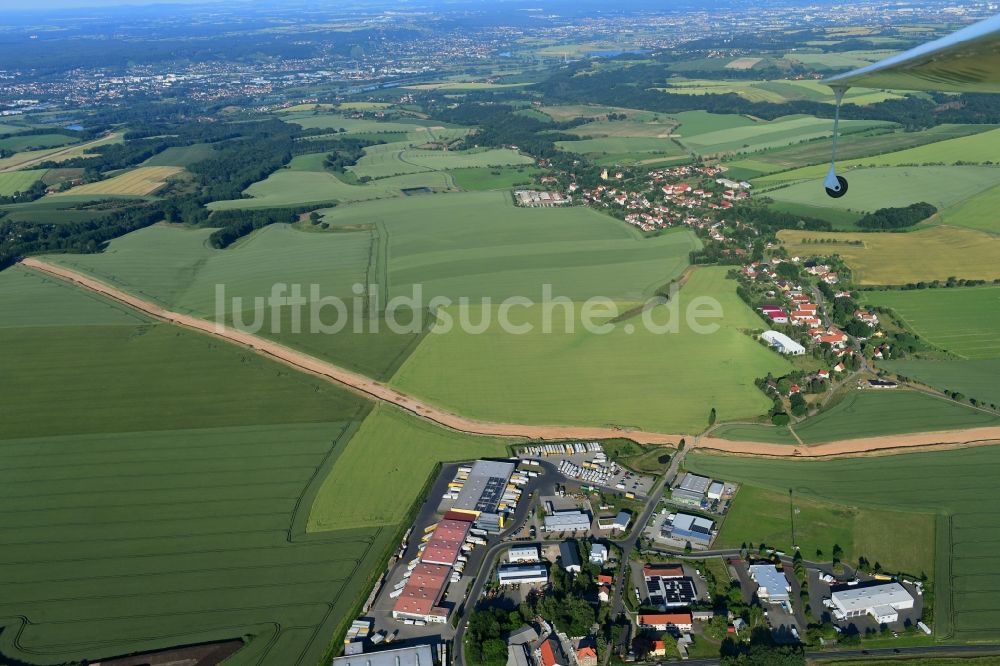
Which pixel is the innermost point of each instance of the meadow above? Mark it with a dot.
(887, 187)
(762, 515)
(623, 150)
(775, 91)
(764, 135)
(35, 141)
(934, 253)
(140, 181)
(290, 187)
(627, 377)
(975, 379)
(181, 156)
(871, 413)
(963, 321)
(573, 111)
(156, 486)
(334, 121)
(703, 122)
(842, 60)
(957, 486)
(981, 212)
(19, 181)
(650, 129)
(397, 158)
(487, 178)
(866, 413)
(478, 244)
(406, 450)
(851, 146)
(977, 148)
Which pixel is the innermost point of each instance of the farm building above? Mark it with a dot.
(771, 584)
(567, 521)
(569, 556)
(715, 490)
(521, 574)
(417, 655)
(783, 343)
(882, 602)
(536, 198)
(519, 554)
(686, 527)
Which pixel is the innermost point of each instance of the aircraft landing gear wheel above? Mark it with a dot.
(841, 191)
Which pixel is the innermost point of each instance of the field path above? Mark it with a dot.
(380, 391)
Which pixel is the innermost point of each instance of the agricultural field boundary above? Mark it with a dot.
(382, 392)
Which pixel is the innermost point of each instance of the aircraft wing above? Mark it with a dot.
(964, 61)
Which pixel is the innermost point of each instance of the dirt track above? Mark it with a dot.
(383, 392)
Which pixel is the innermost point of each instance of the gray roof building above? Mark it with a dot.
(418, 655)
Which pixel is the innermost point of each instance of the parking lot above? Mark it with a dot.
(590, 468)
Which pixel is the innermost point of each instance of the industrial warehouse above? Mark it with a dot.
(687, 528)
(883, 602)
(667, 586)
(488, 489)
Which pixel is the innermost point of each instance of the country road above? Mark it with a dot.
(49, 156)
(383, 392)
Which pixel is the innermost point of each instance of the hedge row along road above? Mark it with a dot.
(382, 392)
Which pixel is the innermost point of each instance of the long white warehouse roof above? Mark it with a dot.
(862, 598)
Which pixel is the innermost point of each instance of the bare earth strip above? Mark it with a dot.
(380, 391)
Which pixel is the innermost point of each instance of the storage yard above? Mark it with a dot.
(588, 463)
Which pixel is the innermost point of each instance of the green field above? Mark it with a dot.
(760, 515)
(155, 486)
(650, 129)
(394, 159)
(627, 377)
(174, 267)
(181, 156)
(36, 141)
(975, 379)
(335, 121)
(405, 450)
(871, 413)
(851, 146)
(478, 244)
(19, 181)
(486, 178)
(867, 413)
(288, 187)
(777, 91)
(974, 149)
(623, 150)
(963, 321)
(931, 253)
(702, 122)
(764, 135)
(958, 486)
(753, 432)
(887, 187)
(844, 60)
(981, 212)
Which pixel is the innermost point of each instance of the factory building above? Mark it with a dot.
(423, 593)
(487, 493)
(691, 489)
(520, 574)
(686, 527)
(782, 343)
(667, 586)
(567, 521)
(418, 655)
(425, 588)
(520, 554)
(882, 602)
(771, 584)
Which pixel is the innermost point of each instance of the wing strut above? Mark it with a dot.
(836, 186)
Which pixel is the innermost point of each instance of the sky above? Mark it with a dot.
(62, 4)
